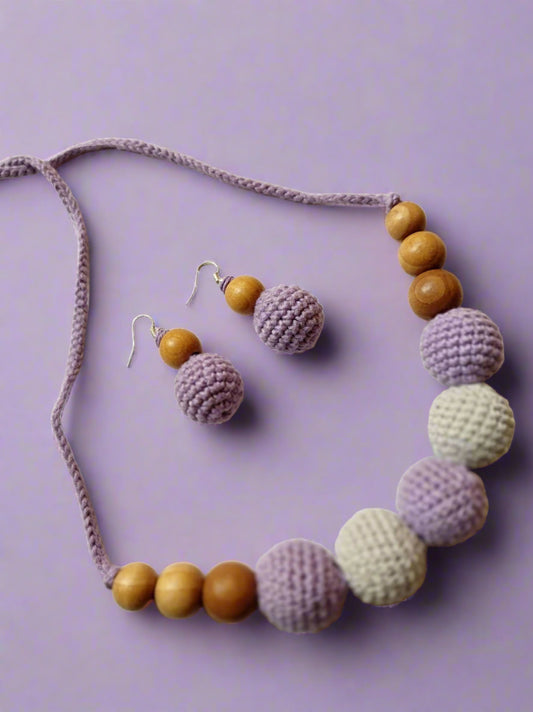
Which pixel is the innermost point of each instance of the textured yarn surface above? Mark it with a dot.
(471, 424)
(288, 319)
(18, 166)
(383, 561)
(443, 502)
(461, 346)
(209, 389)
(300, 587)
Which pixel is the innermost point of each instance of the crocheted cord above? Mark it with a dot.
(18, 166)
(209, 389)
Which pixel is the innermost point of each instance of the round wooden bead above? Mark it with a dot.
(403, 219)
(421, 251)
(242, 293)
(230, 592)
(178, 345)
(434, 292)
(133, 587)
(178, 591)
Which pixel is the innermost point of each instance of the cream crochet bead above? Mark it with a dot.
(471, 424)
(383, 561)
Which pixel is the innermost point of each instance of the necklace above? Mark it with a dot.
(380, 555)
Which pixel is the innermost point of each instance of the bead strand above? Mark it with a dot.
(228, 592)
(299, 586)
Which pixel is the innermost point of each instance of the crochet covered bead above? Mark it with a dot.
(383, 560)
(288, 319)
(461, 346)
(471, 424)
(444, 503)
(300, 587)
(208, 388)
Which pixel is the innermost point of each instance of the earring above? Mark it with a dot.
(286, 318)
(208, 388)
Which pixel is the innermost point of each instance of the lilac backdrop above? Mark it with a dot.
(430, 99)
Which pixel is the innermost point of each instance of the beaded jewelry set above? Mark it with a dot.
(380, 555)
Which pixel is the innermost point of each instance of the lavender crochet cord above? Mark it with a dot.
(18, 166)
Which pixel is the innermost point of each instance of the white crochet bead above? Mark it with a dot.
(471, 424)
(383, 561)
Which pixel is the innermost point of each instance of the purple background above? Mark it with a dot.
(428, 99)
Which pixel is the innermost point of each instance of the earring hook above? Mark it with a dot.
(152, 331)
(216, 276)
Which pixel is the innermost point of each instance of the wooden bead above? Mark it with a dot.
(229, 592)
(403, 219)
(434, 292)
(421, 251)
(178, 345)
(178, 591)
(242, 293)
(133, 587)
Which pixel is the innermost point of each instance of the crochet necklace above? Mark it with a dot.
(380, 555)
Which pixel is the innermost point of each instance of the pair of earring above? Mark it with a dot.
(208, 388)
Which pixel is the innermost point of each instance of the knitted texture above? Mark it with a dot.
(288, 319)
(461, 346)
(444, 503)
(383, 560)
(471, 424)
(300, 587)
(209, 389)
(17, 166)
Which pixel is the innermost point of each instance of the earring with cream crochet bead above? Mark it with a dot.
(287, 318)
(380, 555)
(208, 388)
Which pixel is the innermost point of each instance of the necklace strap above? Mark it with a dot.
(18, 166)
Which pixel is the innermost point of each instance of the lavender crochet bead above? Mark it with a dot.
(461, 346)
(300, 587)
(288, 319)
(443, 502)
(208, 388)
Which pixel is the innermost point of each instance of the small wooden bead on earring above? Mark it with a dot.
(287, 318)
(208, 388)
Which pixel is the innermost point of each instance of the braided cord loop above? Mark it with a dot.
(19, 166)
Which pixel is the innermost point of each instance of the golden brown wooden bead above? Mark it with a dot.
(421, 251)
(434, 292)
(133, 587)
(405, 218)
(229, 592)
(178, 591)
(178, 345)
(242, 293)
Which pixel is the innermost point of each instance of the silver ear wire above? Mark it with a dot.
(152, 331)
(216, 276)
